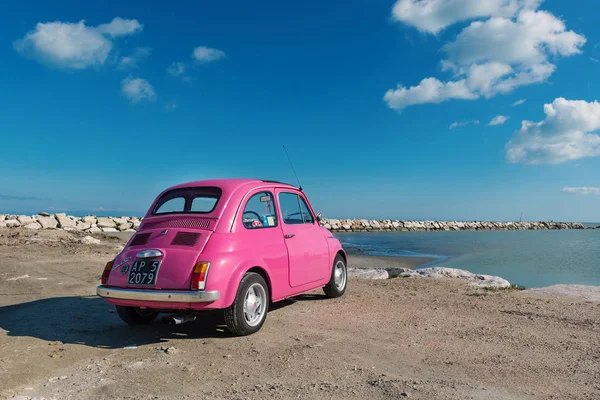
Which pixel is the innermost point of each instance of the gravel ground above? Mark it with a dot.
(389, 339)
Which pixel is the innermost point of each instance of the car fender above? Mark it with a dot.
(335, 248)
(235, 268)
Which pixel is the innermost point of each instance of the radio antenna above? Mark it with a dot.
(292, 165)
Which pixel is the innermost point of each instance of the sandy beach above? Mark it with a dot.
(387, 339)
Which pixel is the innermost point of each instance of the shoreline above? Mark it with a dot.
(364, 261)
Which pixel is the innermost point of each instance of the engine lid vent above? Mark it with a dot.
(140, 239)
(189, 223)
(185, 239)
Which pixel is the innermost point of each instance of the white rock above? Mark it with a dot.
(60, 215)
(33, 225)
(490, 281)
(94, 229)
(65, 222)
(82, 226)
(2, 218)
(47, 222)
(371, 273)
(109, 230)
(24, 220)
(44, 214)
(106, 223)
(125, 226)
(476, 279)
(120, 221)
(12, 223)
(2, 224)
(90, 219)
(136, 223)
(90, 240)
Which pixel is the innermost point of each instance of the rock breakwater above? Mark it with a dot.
(364, 225)
(89, 223)
(94, 224)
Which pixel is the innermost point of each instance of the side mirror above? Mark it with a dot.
(319, 217)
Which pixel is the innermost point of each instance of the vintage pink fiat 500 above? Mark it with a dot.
(230, 244)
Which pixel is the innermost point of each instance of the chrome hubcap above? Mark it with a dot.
(339, 275)
(255, 301)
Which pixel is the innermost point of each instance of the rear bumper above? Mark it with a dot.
(158, 295)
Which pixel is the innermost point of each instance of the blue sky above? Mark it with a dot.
(385, 107)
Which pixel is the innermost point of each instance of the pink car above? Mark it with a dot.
(230, 244)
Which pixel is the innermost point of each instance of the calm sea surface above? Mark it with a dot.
(528, 258)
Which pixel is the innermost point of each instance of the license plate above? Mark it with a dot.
(143, 272)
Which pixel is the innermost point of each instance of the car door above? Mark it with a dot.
(308, 251)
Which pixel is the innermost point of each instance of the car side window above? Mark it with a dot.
(307, 216)
(290, 208)
(260, 211)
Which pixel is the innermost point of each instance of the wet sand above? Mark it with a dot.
(387, 262)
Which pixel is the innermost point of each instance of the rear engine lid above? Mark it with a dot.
(180, 242)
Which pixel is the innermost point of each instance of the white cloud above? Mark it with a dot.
(137, 89)
(567, 133)
(430, 90)
(73, 45)
(526, 40)
(434, 15)
(457, 124)
(594, 60)
(207, 54)
(519, 102)
(492, 56)
(176, 69)
(499, 120)
(120, 27)
(581, 190)
(133, 61)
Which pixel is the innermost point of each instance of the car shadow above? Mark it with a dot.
(91, 321)
(293, 300)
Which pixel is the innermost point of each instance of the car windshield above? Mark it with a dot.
(193, 200)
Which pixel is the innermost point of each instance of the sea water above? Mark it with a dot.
(529, 258)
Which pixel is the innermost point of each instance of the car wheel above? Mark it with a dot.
(339, 278)
(135, 315)
(249, 310)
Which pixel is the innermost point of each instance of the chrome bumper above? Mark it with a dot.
(158, 295)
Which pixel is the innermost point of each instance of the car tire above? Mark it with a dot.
(339, 278)
(249, 310)
(136, 316)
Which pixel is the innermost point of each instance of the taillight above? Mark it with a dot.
(106, 272)
(199, 275)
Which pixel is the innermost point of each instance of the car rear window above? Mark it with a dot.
(192, 200)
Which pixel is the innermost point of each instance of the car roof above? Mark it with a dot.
(232, 184)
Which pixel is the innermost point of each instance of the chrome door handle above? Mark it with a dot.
(289, 236)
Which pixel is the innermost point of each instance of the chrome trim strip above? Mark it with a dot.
(158, 295)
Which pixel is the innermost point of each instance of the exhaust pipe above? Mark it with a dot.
(176, 319)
